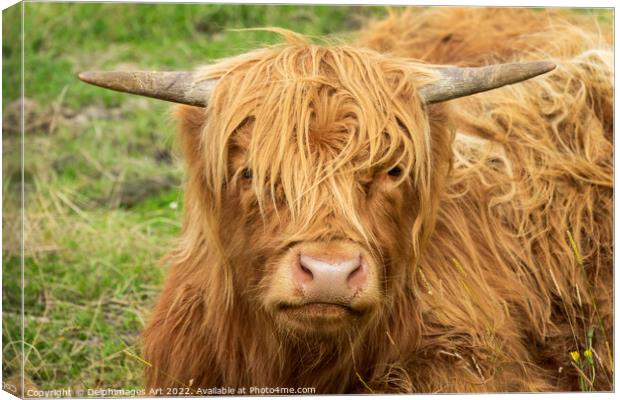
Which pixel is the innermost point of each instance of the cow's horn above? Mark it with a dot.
(177, 86)
(458, 82)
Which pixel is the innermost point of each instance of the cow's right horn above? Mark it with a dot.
(176, 86)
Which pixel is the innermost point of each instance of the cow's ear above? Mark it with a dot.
(190, 123)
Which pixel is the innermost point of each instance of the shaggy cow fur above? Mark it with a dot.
(495, 242)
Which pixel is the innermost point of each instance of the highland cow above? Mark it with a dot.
(359, 220)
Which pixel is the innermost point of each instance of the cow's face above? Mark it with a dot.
(315, 172)
(321, 182)
(318, 248)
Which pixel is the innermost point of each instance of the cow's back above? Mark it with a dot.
(476, 36)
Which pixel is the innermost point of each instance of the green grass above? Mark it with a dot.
(63, 39)
(103, 176)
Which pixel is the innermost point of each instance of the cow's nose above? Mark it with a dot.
(325, 279)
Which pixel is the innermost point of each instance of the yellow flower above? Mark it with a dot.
(588, 355)
(575, 356)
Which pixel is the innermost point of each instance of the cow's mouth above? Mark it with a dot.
(319, 310)
(319, 317)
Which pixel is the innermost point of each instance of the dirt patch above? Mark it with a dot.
(40, 119)
(135, 191)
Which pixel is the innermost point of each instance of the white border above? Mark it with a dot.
(529, 3)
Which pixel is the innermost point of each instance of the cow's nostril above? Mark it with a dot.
(306, 270)
(357, 278)
(301, 272)
(354, 272)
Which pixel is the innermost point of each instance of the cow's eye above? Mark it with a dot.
(395, 171)
(246, 173)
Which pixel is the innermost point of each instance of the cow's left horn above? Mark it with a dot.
(177, 86)
(459, 82)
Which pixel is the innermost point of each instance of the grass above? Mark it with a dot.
(586, 366)
(102, 174)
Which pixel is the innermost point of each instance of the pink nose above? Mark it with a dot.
(330, 279)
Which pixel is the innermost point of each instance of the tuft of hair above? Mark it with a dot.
(343, 109)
